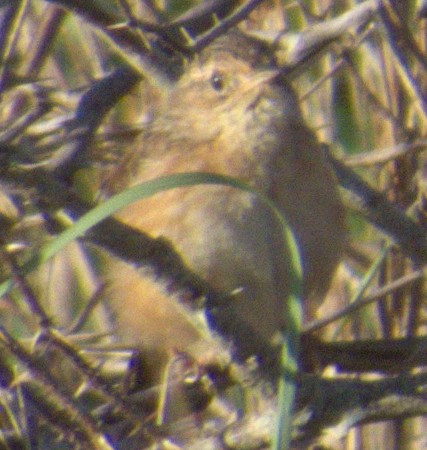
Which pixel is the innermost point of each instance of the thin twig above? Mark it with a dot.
(74, 422)
(375, 207)
(400, 49)
(226, 24)
(110, 394)
(368, 299)
(383, 156)
(42, 44)
(26, 290)
(10, 33)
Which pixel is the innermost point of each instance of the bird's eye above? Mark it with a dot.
(217, 81)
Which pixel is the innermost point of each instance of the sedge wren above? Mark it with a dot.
(230, 113)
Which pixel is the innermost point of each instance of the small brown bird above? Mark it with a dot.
(230, 113)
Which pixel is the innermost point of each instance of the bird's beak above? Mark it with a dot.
(259, 78)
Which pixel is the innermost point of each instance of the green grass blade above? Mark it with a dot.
(293, 313)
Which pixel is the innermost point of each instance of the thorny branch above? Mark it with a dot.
(336, 405)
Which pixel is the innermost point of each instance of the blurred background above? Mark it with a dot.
(364, 96)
